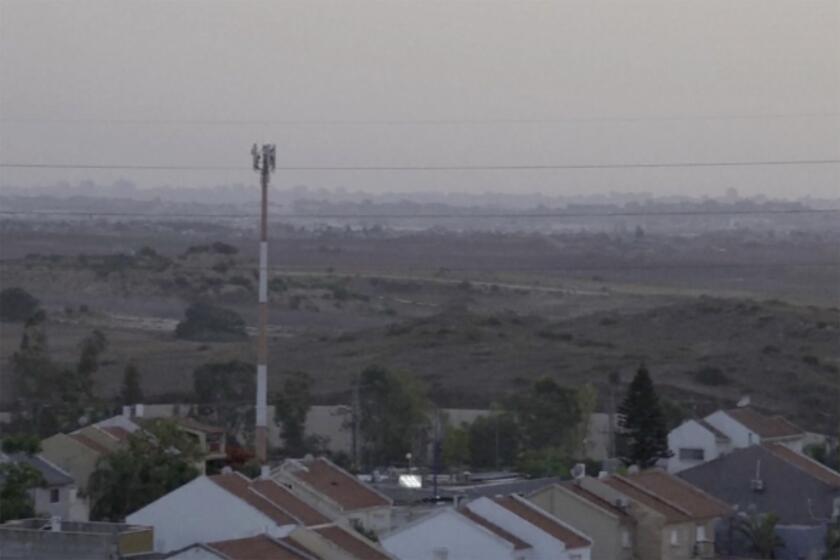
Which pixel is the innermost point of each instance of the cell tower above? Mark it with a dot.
(264, 164)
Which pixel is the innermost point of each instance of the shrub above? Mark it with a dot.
(204, 321)
(711, 376)
(16, 304)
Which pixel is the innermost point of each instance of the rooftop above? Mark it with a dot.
(52, 474)
(240, 487)
(593, 498)
(338, 485)
(767, 427)
(288, 502)
(543, 521)
(805, 463)
(258, 548)
(356, 545)
(518, 544)
(717, 433)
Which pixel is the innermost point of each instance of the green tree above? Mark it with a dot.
(230, 388)
(17, 305)
(548, 461)
(291, 408)
(204, 321)
(547, 415)
(16, 479)
(392, 414)
(493, 441)
(832, 542)
(643, 423)
(132, 390)
(21, 443)
(90, 351)
(456, 446)
(760, 531)
(155, 462)
(587, 401)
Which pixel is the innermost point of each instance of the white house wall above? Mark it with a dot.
(462, 540)
(201, 511)
(195, 553)
(691, 435)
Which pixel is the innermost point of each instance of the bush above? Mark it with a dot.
(16, 304)
(204, 321)
(711, 376)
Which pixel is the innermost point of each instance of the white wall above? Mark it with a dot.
(447, 530)
(545, 546)
(202, 511)
(738, 434)
(691, 435)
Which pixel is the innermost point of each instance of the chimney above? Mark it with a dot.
(227, 470)
(744, 402)
(139, 409)
(55, 523)
(265, 472)
(579, 471)
(603, 475)
(633, 469)
(126, 412)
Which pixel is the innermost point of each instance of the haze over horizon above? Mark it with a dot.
(427, 83)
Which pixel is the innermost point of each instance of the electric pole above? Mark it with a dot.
(264, 164)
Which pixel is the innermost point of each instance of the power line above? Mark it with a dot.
(447, 269)
(429, 215)
(423, 122)
(376, 168)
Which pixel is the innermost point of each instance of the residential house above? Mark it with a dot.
(446, 533)
(549, 537)
(611, 528)
(674, 520)
(772, 478)
(698, 441)
(58, 497)
(694, 442)
(335, 492)
(225, 506)
(335, 542)
(55, 539)
(77, 453)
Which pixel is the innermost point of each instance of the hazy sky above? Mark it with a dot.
(182, 82)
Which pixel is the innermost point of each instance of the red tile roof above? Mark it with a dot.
(542, 520)
(339, 485)
(518, 544)
(673, 497)
(289, 503)
(258, 548)
(356, 545)
(120, 433)
(767, 427)
(193, 424)
(91, 443)
(594, 499)
(239, 486)
(805, 463)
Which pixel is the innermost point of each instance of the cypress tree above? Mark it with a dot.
(643, 423)
(132, 392)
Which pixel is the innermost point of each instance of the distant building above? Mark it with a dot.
(697, 441)
(59, 496)
(55, 539)
(772, 478)
(335, 492)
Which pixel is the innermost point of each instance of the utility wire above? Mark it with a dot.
(422, 122)
(430, 215)
(524, 167)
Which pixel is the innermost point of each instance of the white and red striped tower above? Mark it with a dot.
(264, 163)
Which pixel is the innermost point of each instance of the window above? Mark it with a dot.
(54, 495)
(675, 537)
(691, 454)
(440, 553)
(701, 533)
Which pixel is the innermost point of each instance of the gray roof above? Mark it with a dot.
(470, 491)
(53, 475)
(794, 494)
